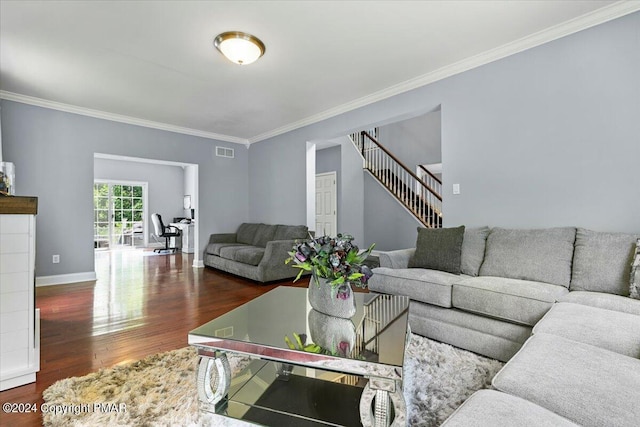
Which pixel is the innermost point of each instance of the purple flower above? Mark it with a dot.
(343, 348)
(343, 292)
(367, 273)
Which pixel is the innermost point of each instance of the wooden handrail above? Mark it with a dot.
(430, 174)
(395, 159)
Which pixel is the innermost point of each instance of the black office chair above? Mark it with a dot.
(162, 231)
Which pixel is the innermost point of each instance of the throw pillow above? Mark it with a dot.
(601, 261)
(473, 245)
(539, 255)
(438, 249)
(634, 290)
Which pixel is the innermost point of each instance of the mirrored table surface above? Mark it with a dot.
(312, 354)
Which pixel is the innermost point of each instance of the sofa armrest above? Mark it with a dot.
(396, 259)
(223, 238)
(275, 253)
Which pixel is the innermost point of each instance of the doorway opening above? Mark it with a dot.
(170, 185)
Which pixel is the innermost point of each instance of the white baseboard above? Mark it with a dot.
(198, 263)
(61, 279)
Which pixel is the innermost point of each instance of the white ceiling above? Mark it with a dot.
(153, 62)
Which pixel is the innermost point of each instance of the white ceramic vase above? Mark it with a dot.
(333, 301)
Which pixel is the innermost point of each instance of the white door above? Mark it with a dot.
(326, 204)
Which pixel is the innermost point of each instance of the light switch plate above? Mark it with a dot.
(456, 188)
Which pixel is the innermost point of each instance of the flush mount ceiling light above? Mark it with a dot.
(238, 47)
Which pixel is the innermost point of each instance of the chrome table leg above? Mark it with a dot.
(214, 378)
(377, 400)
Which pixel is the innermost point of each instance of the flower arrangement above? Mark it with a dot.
(336, 259)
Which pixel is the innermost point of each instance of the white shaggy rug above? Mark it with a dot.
(160, 390)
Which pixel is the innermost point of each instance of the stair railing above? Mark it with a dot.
(418, 196)
(433, 182)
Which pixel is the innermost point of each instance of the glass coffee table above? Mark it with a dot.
(331, 372)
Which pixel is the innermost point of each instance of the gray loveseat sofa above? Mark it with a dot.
(255, 251)
(564, 293)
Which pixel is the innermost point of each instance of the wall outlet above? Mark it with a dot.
(456, 188)
(56, 259)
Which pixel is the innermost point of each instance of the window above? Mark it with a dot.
(118, 215)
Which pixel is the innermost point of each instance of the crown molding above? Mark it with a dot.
(68, 108)
(597, 17)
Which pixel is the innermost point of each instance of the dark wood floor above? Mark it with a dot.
(140, 305)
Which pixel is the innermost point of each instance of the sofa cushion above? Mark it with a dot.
(430, 286)
(490, 408)
(603, 300)
(634, 283)
(519, 301)
(214, 248)
(542, 255)
(608, 329)
(438, 249)
(291, 232)
(586, 384)
(229, 252)
(473, 246)
(246, 233)
(602, 262)
(264, 234)
(251, 255)
(484, 335)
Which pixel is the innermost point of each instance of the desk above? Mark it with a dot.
(187, 236)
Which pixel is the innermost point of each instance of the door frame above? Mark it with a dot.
(333, 174)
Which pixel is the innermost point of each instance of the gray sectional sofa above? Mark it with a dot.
(554, 303)
(255, 251)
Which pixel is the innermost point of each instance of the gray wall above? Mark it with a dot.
(547, 137)
(328, 160)
(386, 222)
(414, 141)
(53, 153)
(351, 208)
(165, 190)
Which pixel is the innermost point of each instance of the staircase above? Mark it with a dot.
(421, 195)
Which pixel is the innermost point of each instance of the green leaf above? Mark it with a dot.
(299, 276)
(313, 348)
(298, 340)
(289, 343)
(339, 281)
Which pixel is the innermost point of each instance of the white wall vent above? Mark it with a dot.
(225, 152)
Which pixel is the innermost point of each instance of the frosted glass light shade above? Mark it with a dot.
(238, 47)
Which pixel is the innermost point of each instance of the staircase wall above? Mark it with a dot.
(415, 141)
(351, 209)
(387, 223)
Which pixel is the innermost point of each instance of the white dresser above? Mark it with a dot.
(19, 319)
